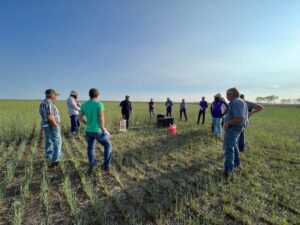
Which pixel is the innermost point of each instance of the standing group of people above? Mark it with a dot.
(234, 117)
(90, 113)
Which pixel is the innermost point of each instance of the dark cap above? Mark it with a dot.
(50, 91)
(127, 96)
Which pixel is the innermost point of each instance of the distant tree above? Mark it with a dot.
(283, 101)
(286, 101)
(271, 98)
(268, 99)
(259, 99)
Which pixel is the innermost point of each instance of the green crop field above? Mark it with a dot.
(155, 178)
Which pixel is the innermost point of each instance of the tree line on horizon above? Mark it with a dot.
(272, 99)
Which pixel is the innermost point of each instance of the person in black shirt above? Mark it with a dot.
(126, 110)
(169, 105)
(183, 109)
(151, 107)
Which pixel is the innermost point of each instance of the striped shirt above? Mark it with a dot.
(47, 108)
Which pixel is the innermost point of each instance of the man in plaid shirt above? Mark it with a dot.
(50, 124)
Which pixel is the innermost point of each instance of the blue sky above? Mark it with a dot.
(178, 49)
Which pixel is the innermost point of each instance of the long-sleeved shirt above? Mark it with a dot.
(169, 104)
(73, 108)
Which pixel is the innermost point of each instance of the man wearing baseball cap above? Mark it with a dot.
(126, 110)
(73, 106)
(50, 123)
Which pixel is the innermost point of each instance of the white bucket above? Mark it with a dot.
(122, 125)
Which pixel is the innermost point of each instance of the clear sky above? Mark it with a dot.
(149, 48)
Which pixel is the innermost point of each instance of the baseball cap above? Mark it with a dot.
(218, 95)
(73, 92)
(50, 91)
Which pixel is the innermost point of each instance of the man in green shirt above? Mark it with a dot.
(92, 115)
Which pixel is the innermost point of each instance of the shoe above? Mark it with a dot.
(54, 164)
(226, 175)
(104, 168)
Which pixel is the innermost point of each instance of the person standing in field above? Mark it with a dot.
(252, 108)
(183, 109)
(92, 115)
(217, 109)
(169, 105)
(235, 121)
(203, 106)
(73, 106)
(151, 105)
(126, 110)
(50, 120)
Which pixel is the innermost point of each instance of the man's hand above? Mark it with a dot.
(233, 121)
(226, 125)
(52, 120)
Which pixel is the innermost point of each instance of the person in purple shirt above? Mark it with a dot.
(218, 109)
(203, 106)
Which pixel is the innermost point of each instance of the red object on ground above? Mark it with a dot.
(172, 129)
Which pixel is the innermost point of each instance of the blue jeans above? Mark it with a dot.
(217, 126)
(74, 124)
(230, 146)
(103, 139)
(241, 143)
(53, 142)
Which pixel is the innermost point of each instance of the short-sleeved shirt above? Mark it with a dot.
(182, 105)
(91, 109)
(151, 105)
(252, 105)
(126, 107)
(47, 108)
(203, 105)
(237, 108)
(218, 108)
(169, 104)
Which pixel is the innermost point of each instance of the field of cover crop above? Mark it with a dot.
(155, 178)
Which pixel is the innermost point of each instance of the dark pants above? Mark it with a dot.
(126, 117)
(241, 142)
(184, 113)
(75, 124)
(203, 116)
(169, 111)
(151, 112)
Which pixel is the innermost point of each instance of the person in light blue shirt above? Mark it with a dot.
(235, 120)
